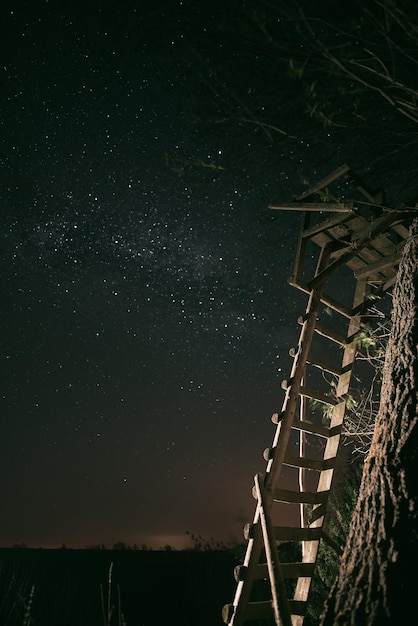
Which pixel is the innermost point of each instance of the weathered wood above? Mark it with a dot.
(310, 464)
(323, 207)
(316, 429)
(324, 182)
(291, 400)
(374, 231)
(289, 570)
(370, 249)
(264, 610)
(235, 612)
(295, 533)
(326, 299)
(320, 397)
(332, 444)
(298, 607)
(259, 610)
(296, 570)
(310, 231)
(377, 266)
(280, 603)
(307, 497)
(326, 367)
(330, 334)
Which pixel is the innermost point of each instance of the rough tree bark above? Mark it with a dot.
(377, 580)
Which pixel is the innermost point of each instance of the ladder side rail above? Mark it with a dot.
(297, 275)
(332, 444)
(233, 614)
(303, 512)
(280, 602)
(274, 465)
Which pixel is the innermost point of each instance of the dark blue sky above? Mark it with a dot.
(146, 317)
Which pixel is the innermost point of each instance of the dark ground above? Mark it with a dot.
(155, 587)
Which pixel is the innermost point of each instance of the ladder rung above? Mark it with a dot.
(317, 395)
(289, 570)
(316, 429)
(313, 464)
(258, 610)
(303, 462)
(294, 533)
(298, 607)
(316, 513)
(298, 570)
(325, 299)
(261, 610)
(311, 393)
(307, 497)
(324, 366)
(286, 533)
(330, 334)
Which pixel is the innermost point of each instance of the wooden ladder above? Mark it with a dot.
(261, 559)
(302, 458)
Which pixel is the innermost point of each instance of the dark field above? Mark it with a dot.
(65, 587)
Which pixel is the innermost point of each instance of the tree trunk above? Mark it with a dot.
(377, 580)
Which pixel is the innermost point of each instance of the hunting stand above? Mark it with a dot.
(357, 243)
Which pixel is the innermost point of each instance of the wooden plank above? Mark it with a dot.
(280, 604)
(383, 245)
(298, 570)
(389, 283)
(298, 607)
(301, 249)
(316, 513)
(292, 397)
(371, 234)
(258, 610)
(289, 570)
(308, 233)
(401, 230)
(310, 464)
(264, 609)
(322, 365)
(324, 182)
(307, 497)
(330, 302)
(322, 330)
(316, 429)
(378, 266)
(243, 589)
(320, 397)
(337, 228)
(295, 533)
(373, 196)
(323, 207)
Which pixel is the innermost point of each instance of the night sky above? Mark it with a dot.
(146, 316)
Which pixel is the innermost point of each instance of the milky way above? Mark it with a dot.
(146, 316)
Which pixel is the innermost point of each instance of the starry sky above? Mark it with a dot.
(146, 316)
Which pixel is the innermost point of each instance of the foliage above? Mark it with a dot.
(362, 404)
(279, 85)
(342, 501)
(111, 605)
